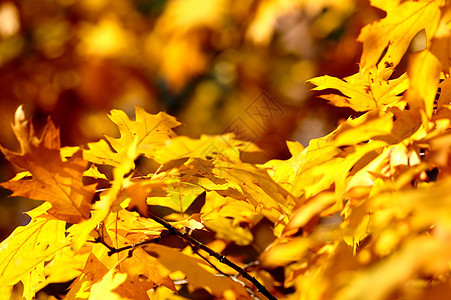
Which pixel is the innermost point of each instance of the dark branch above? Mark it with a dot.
(195, 245)
(132, 247)
(172, 230)
(248, 289)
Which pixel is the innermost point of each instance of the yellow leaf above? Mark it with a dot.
(142, 270)
(230, 218)
(125, 228)
(440, 44)
(425, 206)
(31, 282)
(137, 191)
(225, 230)
(395, 32)
(368, 126)
(384, 277)
(68, 151)
(327, 165)
(353, 236)
(146, 270)
(94, 172)
(195, 270)
(144, 135)
(362, 92)
(295, 147)
(207, 147)
(149, 132)
(25, 251)
(284, 171)
(100, 153)
(104, 289)
(180, 194)
(92, 272)
(65, 266)
(424, 73)
(259, 189)
(387, 165)
(217, 206)
(307, 211)
(283, 254)
(6, 292)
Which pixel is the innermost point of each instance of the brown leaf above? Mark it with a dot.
(54, 180)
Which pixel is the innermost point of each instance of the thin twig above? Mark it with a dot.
(157, 171)
(261, 288)
(195, 244)
(196, 251)
(132, 247)
(248, 289)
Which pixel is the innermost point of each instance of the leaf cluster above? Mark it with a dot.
(361, 213)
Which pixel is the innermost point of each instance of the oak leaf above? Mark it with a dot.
(24, 253)
(125, 228)
(313, 178)
(148, 132)
(404, 20)
(230, 218)
(54, 180)
(105, 288)
(206, 147)
(362, 92)
(284, 171)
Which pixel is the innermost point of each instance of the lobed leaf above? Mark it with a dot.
(54, 180)
(24, 253)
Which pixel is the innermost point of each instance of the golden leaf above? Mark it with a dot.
(195, 270)
(148, 133)
(424, 73)
(24, 252)
(395, 32)
(207, 147)
(362, 92)
(105, 288)
(383, 278)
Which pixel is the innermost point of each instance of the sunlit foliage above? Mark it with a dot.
(360, 213)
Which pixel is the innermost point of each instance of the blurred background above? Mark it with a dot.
(217, 65)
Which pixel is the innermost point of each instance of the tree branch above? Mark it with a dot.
(195, 244)
(234, 278)
(172, 230)
(132, 247)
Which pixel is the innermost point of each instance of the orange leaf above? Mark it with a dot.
(54, 180)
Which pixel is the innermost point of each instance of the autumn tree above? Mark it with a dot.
(361, 213)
